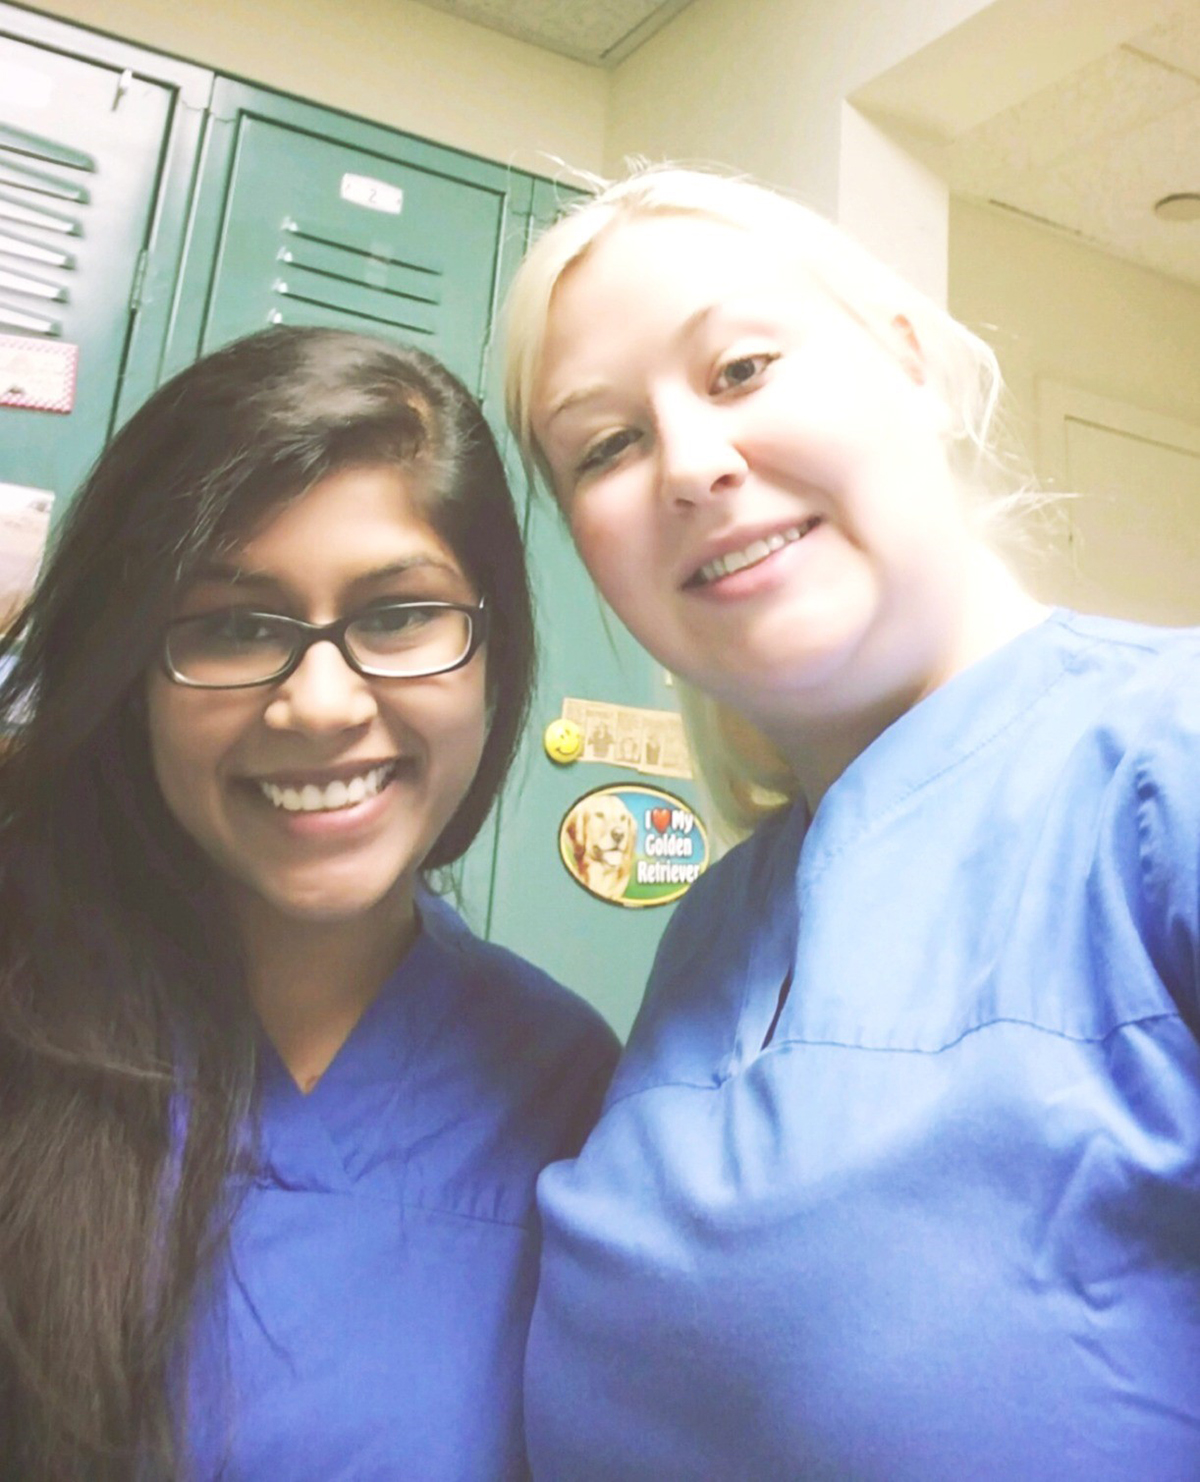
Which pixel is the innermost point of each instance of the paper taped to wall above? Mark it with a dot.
(649, 741)
(24, 530)
(38, 375)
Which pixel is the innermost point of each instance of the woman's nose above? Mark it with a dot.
(323, 695)
(698, 457)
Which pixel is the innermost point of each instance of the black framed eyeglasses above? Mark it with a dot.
(234, 648)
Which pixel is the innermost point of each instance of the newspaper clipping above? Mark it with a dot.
(649, 741)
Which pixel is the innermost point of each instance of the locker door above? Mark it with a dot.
(319, 219)
(602, 950)
(93, 152)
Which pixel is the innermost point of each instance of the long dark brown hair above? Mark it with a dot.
(127, 1062)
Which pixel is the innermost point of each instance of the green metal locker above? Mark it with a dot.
(97, 144)
(305, 216)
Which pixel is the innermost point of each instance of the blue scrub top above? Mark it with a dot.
(946, 1223)
(370, 1320)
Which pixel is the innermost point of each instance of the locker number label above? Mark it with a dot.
(375, 195)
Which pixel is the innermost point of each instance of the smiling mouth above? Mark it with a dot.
(751, 555)
(344, 792)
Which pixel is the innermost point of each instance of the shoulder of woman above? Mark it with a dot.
(1166, 755)
(716, 903)
(1156, 807)
(518, 991)
(1153, 705)
(741, 908)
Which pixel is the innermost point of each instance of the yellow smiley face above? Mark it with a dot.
(563, 741)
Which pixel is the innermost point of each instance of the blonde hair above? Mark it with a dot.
(746, 778)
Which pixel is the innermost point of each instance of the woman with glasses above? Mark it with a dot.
(270, 1116)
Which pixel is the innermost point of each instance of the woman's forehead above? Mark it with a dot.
(667, 278)
(656, 266)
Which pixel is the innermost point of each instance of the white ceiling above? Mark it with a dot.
(598, 31)
(1091, 154)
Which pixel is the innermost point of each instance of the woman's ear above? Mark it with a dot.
(907, 348)
(910, 354)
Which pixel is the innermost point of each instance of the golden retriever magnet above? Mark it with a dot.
(633, 845)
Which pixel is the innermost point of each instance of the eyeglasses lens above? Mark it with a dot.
(409, 640)
(229, 648)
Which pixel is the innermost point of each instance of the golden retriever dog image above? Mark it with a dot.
(602, 835)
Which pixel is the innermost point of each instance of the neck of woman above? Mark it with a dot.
(310, 981)
(822, 740)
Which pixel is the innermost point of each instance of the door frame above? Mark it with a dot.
(1059, 402)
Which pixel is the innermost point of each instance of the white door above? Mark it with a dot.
(1134, 521)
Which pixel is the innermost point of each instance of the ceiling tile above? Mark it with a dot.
(1177, 43)
(600, 32)
(1093, 153)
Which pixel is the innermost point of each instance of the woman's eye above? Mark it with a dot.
(237, 628)
(606, 450)
(741, 371)
(389, 621)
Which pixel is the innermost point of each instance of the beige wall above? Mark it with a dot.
(763, 87)
(1053, 307)
(759, 86)
(393, 61)
(1060, 314)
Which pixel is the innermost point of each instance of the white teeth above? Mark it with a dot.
(756, 551)
(341, 793)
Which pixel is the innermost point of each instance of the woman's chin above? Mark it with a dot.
(328, 900)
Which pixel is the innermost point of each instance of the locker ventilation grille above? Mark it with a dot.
(42, 208)
(356, 283)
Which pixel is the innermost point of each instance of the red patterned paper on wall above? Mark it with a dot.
(24, 530)
(37, 375)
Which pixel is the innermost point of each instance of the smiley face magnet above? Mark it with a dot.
(563, 742)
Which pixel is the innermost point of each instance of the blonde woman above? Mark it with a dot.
(900, 1176)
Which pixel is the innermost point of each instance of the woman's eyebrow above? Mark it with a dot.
(697, 320)
(244, 576)
(227, 572)
(694, 322)
(575, 398)
(403, 567)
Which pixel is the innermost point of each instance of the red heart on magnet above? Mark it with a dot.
(661, 819)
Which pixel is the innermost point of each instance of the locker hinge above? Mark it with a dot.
(139, 278)
(123, 83)
(484, 362)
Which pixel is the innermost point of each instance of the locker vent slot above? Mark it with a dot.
(42, 201)
(349, 281)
